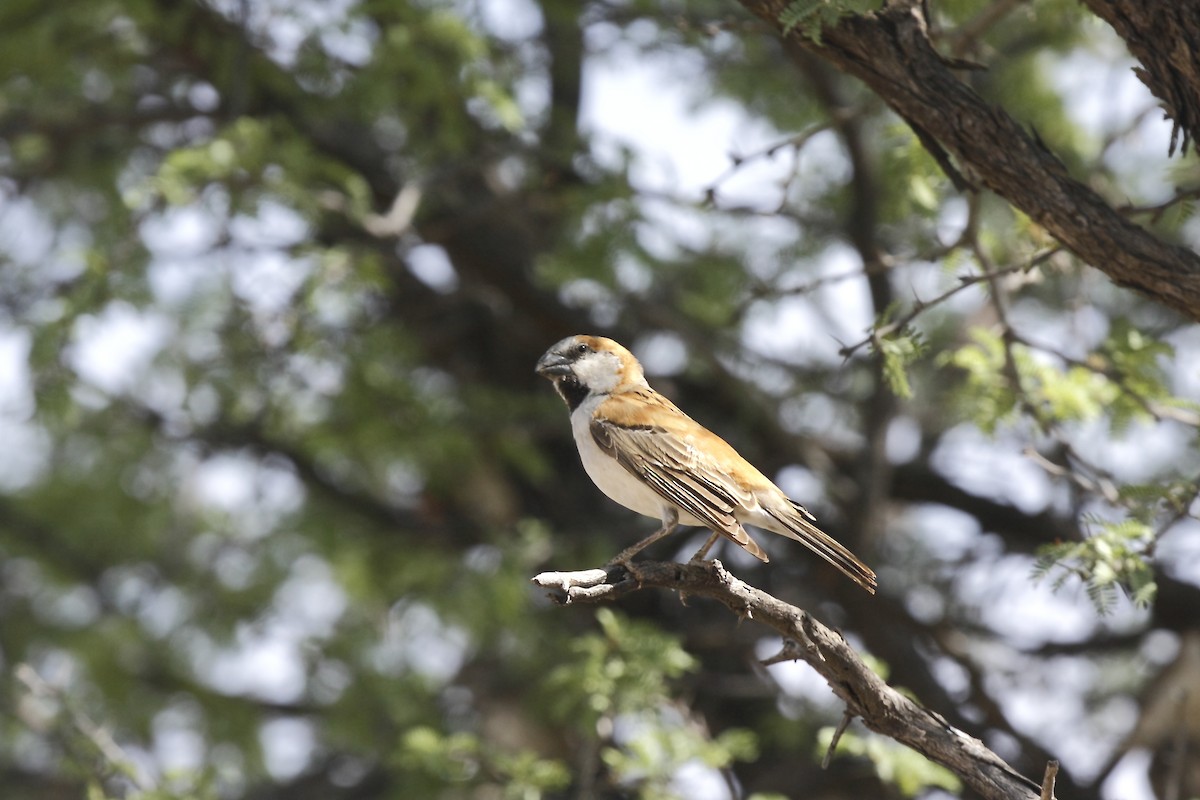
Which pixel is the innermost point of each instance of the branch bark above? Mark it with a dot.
(882, 708)
(890, 51)
(1164, 37)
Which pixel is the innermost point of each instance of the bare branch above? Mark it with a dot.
(882, 708)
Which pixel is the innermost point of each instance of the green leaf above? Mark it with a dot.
(899, 351)
(810, 16)
(626, 666)
(986, 397)
(1112, 558)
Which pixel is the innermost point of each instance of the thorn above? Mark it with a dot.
(847, 718)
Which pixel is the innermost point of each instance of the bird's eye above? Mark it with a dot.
(581, 348)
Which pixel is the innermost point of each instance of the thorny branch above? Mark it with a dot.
(880, 332)
(882, 708)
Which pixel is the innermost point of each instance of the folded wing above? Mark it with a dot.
(675, 471)
(697, 479)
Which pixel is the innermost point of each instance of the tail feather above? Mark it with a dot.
(799, 527)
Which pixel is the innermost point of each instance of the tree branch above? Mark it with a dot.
(882, 708)
(890, 51)
(1164, 38)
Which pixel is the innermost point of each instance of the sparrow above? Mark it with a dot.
(647, 455)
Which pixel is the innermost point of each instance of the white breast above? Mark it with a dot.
(613, 479)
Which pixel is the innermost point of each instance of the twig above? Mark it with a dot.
(964, 281)
(1101, 486)
(1156, 210)
(847, 718)
(764, 290)
(990, 274)
(950, 641)
(1158, 411)
(795, 650)
(114, 757)
(1048, 780)
(795, 141)
(1180, 508)
(970, 32)
(881, 708)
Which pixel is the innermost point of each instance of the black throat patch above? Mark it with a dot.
(572, 391)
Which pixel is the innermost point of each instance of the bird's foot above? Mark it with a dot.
(624, 560)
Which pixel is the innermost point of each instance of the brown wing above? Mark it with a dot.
(660, 456)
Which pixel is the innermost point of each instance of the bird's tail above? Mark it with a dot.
(799, 525)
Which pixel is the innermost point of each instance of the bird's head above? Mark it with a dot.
(583, 365)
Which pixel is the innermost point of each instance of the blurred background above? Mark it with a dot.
(275, 469)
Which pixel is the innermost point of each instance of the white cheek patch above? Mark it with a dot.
(600, 372)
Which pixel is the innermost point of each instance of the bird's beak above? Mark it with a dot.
(553, 365)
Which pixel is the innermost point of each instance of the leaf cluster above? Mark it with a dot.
(1004, 378)
(811, 16)
(618, 685)
(625, 667)
(1112, 559)
(898, 351)
(433, 759)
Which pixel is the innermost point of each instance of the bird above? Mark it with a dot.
(647, 455)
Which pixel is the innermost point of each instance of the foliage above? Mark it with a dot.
(619, 680)
(810, 16)
(909, 771)
(1113, 557)
(896, 352)
(650, 760)
(277, 470)
(463, 758)
(1120, 380)
(623, 668)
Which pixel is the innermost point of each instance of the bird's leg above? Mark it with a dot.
(702, 553)
(669, 523)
